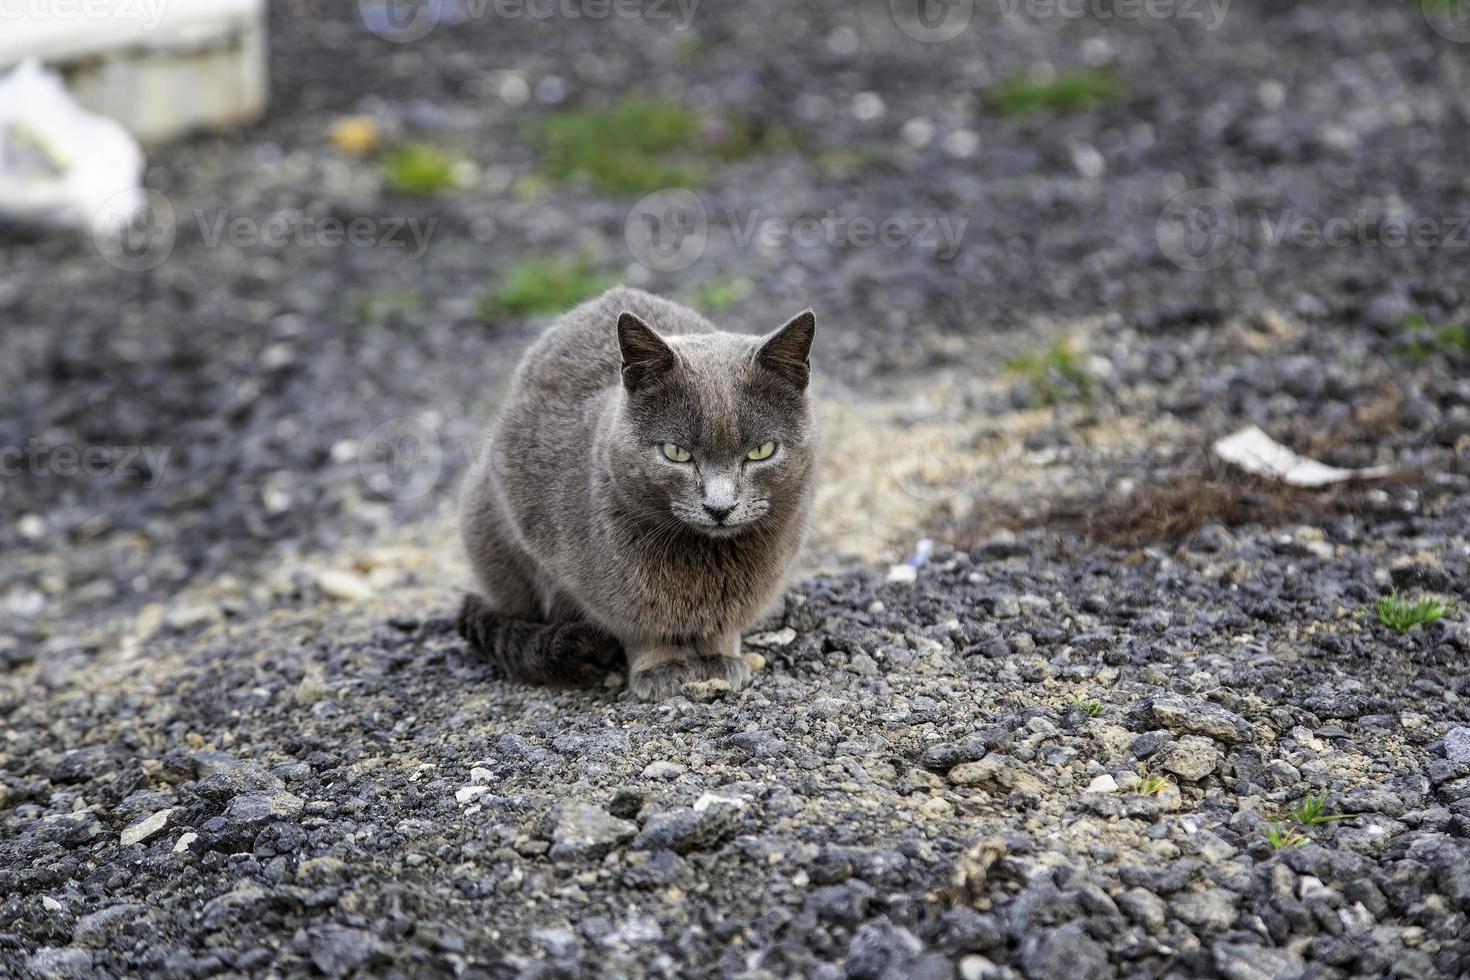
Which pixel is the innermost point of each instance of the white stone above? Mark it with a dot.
(976, 967)
(708, 800)
(1103, 784)
(917, 132)
(868, 106)
(662, 769)
(776, 638)
(903, 574)
(962, 144)
(480, 776)
(347, 586)
(30, 527)
(50, 904)
(185, 842)
(146, 828)
(468, 794)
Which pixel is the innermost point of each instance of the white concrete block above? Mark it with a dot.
(159, 67)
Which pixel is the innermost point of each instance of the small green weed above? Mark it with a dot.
(1152, 783)
(1309, 812)
(418, 168)
(1401, 615)
(1430, 339)
(1022, 95)
(721, 294)
(1090, 706)
(643, 145)
(1284, 836)
(380, 308)
(1055, 374)
(540, 285)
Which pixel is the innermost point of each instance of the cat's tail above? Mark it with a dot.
(538, 653)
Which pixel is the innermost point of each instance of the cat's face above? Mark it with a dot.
(716, 433)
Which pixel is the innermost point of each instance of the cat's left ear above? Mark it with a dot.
(645, 355)
(788, 351)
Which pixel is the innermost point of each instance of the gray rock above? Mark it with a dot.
(1237, 961)
(1143, 907)
(60, 963)
(1212, 909)
(558, 943)
(256, 808)
(224, 909)
(1195, 717)
(1373, 799)
(101, 927)
(1148, 743)
(227, 777)
(1190, 757)
(81, 765)
(1064, 953)
(338, 951)
(879, 949)
(963, 930)
(685, 829)
(1457, 745)
(583, 832)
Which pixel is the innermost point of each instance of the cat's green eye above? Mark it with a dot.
(675, 454)
(763, 451)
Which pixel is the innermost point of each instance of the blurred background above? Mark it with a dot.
(263, 282)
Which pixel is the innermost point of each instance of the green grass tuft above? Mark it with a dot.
(381, 308)
(644, 145)
(721, 294)
(623, 149)
(1069, 91)
(1284, 837)
(418, 168)
(1055, 374)
(541, 285)
(1152, 783)
(1402, 615)
(1090, 706)
(1309, 812)
(1430, 339)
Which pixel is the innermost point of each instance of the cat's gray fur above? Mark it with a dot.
(574, 519)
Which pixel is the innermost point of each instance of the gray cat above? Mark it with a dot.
(644, 490)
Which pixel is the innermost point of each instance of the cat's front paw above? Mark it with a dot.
(668, 679)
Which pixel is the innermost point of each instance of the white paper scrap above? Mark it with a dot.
(1255, 452)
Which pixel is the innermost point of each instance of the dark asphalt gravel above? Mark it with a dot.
(1043, 757)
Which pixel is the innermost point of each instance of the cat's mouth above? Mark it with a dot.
(725, 528)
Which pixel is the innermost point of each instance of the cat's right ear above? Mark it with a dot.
(645, 355)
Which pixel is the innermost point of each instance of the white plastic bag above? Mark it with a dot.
(60, 165)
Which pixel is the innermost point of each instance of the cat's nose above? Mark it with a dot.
(718, 513)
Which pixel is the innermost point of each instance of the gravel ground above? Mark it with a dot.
(240, 737)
